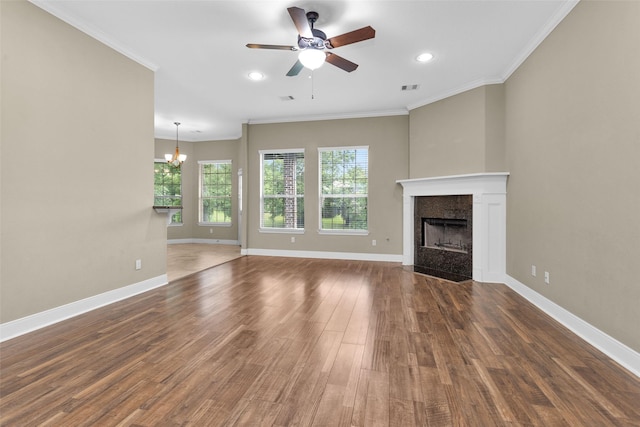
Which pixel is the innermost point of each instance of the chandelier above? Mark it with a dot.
(176, 158)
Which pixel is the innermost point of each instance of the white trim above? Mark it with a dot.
(36, 321)
(341, 232)
(625, 356)
(95, 33)
(205, 241)
(261, 154)
(562, 12)
(274, 230)
(337, 116)
(489, 217)
(325, 255)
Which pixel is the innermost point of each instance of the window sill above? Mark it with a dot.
(282, 230)
(344, 232)
(215, 224)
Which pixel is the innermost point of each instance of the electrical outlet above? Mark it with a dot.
(293, 239)
(533, 270)
(374, 242)
(138, 264)
(546, 277)
(211, 231)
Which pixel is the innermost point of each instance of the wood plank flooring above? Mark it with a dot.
(184, 259)
(284, 342)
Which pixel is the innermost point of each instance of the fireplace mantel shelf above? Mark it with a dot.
(489, 192)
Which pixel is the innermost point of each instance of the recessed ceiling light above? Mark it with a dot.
(256, 75)
(424, 57)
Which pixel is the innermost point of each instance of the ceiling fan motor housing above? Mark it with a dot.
(317, 42)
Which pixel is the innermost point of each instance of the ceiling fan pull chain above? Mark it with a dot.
(312, 89)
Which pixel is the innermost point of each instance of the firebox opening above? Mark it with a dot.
(446, 234)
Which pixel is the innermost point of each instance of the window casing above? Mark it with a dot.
(344, 187)
(282, 190)
(214, 194)
(167, 188)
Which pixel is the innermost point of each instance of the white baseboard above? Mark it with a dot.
(613, 348)
(205, 241)
(36, 321)
(325, 255)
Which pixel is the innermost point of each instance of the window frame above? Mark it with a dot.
(284, 230)
(181, 213)
(201, 164)
(321, 196)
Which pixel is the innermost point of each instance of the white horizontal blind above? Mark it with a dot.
(344, 189)
(282, 190)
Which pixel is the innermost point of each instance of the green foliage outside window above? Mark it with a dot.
(167, 188)
(215, 192)
(283, 190)
(345, 187)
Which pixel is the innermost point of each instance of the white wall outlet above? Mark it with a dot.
(546, 277)
(374, 242)
(293, 239)
(138, 264)
(211, 231)
(533, 270)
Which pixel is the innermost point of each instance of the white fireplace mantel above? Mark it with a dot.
(489, 191)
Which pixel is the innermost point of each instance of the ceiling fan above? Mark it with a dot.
(313, 43)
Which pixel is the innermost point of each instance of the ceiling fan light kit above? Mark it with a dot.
(312, 58)
(313, 43)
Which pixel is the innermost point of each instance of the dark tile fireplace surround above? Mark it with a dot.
(443, 230)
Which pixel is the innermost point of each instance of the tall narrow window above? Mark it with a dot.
(167, 188)
(215, 192)
(344, 186)
(282, 190)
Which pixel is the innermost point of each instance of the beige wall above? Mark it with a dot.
(573, 150)
(197, 151)
(387, 138)
(458, 135)
(77, 180)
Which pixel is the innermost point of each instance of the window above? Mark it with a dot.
(214, 201)
(282, 190)
(344, 189)
(167, 188)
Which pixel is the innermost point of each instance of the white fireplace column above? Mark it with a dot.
(489, 191)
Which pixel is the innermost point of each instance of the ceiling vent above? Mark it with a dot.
(410, 87)
(287, 98)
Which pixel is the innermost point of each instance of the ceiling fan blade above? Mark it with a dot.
(340, 62)
(295, 70)
(355, 36)
(270, 46)
(301, 22)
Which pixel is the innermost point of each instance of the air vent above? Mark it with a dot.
(287, 98)
(410, 87)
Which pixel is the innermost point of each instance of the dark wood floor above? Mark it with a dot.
(281, 341)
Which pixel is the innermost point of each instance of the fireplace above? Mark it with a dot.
(445, 234)
(443, 230)
(485, 243)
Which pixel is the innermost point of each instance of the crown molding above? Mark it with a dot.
(338, 116)
(550, 25)
(95, 33)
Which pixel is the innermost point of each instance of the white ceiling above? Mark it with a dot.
(197, 50)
